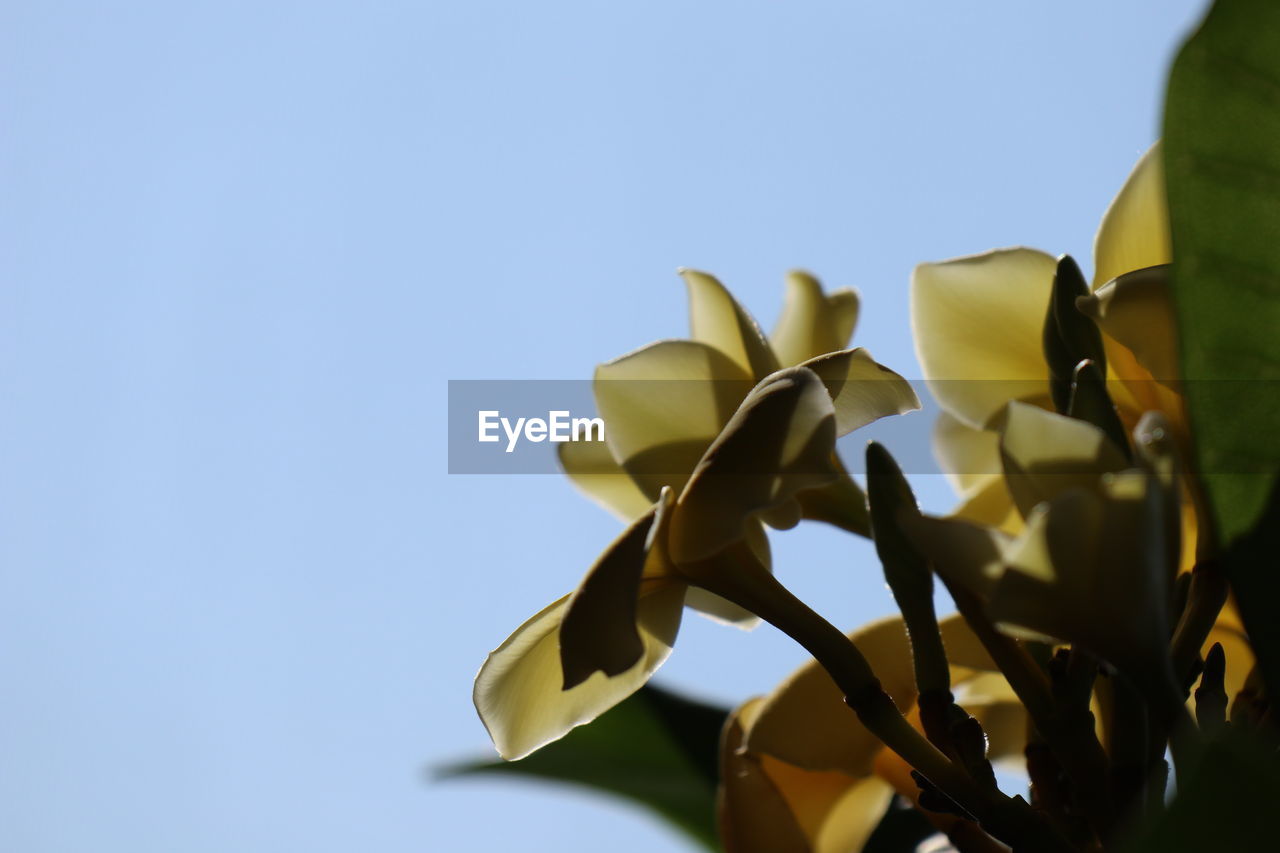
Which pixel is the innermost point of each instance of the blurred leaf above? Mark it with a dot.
(1222, 161)
(656, 748)
(901, 829)
(1225, 802)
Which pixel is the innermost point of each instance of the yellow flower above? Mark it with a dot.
(664, 403)
(801, 773)
(978, 325)
(733, 461)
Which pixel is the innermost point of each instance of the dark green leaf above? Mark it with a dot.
(1222, 161)
(1224, 802)
(656, 748)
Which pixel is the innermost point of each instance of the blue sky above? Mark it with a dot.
(243, 246)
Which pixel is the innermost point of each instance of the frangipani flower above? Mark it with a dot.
(664, 403)
(586, 652)
(978, 324)
(979, 327)
(801, 773)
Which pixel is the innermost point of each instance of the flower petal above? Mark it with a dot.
(862, 390)
(517, 692)
(977, 324)
(1091, 569)
(716, 319)
(805, 721)
(991, 504)
(1046, 454)
(968, 456)
(598, 632)
(812, 323)
(1135, 313)
(591, 467)
(1135, 229)
(779, 442)
(753, 816)
(663, 404)
(841, 503)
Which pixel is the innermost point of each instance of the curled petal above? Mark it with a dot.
(599, 631)
(977, 324)
(518, 691)
(779, 442)
(861, 389)
(812, 322)
(716, 319)
(1135, 229)
(1135, 313)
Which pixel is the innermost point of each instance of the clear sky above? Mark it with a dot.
(243, 245)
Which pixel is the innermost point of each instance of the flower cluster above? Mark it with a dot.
(1089, 599)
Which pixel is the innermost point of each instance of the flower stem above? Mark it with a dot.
(1009, 819)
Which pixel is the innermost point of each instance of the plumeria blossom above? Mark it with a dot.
(700, 538)
(664, 403)
(801, 773)
(978, 324)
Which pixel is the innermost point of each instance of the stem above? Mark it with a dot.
(1071, 736)
(1009, 819)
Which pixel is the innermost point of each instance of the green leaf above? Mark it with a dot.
(656, 748)
(1222, 164)
(1224, 802)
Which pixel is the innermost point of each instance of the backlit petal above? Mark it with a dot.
(806, 723)
(716, 319)
(663, 404)
(977, 324)
(1135, 311)
(968, 456)
(591, 467)
(812, 322)
(517, 692)
(1046, 453)
(861, 389)
(1135, 229)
